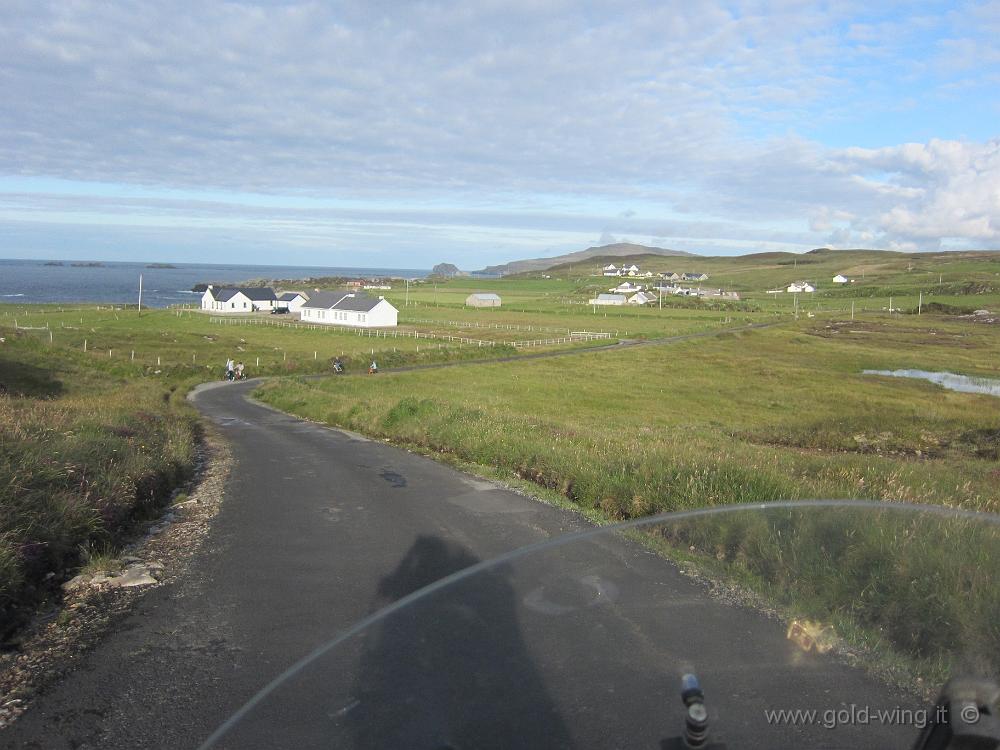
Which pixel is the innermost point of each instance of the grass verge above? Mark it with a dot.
(745, 418)
(85, 456)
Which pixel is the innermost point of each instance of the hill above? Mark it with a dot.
(617, 250)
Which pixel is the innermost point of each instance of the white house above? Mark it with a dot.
(242, 300)
(610, 270)
(801, 286)
(632, 270)
(670, 276)
(695, 276)
(608, 299)
(840, 279)
(483, 299)
(349, 309)
(291, 301)
(625, 287)
(641, 298)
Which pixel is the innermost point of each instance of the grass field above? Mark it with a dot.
(741, 416)
(87, 451)
(748, 417)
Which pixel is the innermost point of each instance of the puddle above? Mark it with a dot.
(948, 380)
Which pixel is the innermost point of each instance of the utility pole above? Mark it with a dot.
(140, 295)
(920, 302)
(407, 302)
(852, 310)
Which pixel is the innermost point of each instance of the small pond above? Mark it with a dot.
(948, 380)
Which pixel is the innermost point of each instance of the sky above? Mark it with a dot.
(404, 134)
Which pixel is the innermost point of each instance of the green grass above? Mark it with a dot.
(86, 453)
(749, 417)
(744, 417)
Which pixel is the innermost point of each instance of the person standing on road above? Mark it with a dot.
(230, 368)
(239, 371)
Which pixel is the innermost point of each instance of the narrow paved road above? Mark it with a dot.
(321, 528)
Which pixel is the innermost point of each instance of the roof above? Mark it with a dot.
(255, 294)
(611, 297)
(485, 295)
(289, 296)
(354, 301)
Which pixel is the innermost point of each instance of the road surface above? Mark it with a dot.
(321, 528)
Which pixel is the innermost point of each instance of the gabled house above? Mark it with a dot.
(625, 287)
(632, 270)
(695, 276)
(353, 309)
(801, 286)
(641, 298)
(291, 301)
(840, 279)
(238, 300)
(670, 276)
(610, 270)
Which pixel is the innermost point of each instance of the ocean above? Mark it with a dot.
(35, 281)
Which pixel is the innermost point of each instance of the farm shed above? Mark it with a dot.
(483, 299)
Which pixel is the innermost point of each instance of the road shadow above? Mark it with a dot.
(451, 670)
(22, 379)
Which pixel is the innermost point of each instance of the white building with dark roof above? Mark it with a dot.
(352, 309)
(238, 300)
(291, 301)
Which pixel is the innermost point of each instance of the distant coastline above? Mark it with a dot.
(164, 284)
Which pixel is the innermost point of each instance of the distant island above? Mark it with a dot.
(446, 269)
(160, 265)
(88, 264)
(53, 263)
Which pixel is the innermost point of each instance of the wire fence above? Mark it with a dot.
(571, 337)
(496, 326)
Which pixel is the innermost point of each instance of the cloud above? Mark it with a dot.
(939, 190)
(470, 120)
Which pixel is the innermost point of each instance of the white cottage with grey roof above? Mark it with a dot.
(352, 309)
(238, 300)
(291, 301)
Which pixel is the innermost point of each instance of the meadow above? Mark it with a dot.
(752, 416)
(88, 453)
(742, 415)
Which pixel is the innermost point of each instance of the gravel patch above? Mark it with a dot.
(55, 642)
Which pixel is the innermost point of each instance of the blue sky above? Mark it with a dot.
(407, 134)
